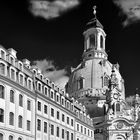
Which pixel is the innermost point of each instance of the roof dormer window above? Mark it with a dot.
(2, 54)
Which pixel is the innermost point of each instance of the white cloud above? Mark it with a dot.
(49, 70)
(131, 9)
(49, 10)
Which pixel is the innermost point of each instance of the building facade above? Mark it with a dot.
(34, 108)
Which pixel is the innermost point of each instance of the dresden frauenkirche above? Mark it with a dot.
(91, 107)
(98, 85)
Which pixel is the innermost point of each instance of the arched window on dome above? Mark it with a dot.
(92, 41)
(118, 108)
(101, 42)
(81, 82)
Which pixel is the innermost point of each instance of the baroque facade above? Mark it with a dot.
(34, 108)
(98, 85)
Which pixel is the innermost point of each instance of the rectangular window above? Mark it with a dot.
(20, 100)
(67, 120)
(1, 115)
(2, 68)
(38, 125)
(71, 122)
(12, 74)
(67, 135)
(77, 127)
(39, 87)
(52, 129)
(28, 105)
(68, 105)
(63, 118)
(63, 134)
(52, 94)
(88, 132)
(28, 125)
(45, 109)
(39, 106)
(57, 98)
(45, 91)
(20, 121)
(29, 84)
(71, 136)
(62, 101)
(52, 112)
(45, 127)
(11, 118)
(81, 129)
(57, 131)
(85, 131)
(58, 115)
(11, 96)
(91, 133)
(21, 79)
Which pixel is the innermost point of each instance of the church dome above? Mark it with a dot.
(89, 81)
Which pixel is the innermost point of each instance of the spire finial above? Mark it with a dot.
(94, 10)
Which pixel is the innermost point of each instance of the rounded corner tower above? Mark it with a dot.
(89, 81)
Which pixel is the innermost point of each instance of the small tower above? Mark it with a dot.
(94, 36)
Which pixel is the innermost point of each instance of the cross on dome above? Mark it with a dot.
(94, 10)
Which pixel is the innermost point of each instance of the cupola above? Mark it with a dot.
(94, 39)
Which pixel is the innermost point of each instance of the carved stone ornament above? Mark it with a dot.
(119, 125)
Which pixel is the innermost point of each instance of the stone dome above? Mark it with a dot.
(89, 81)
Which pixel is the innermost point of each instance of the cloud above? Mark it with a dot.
(49, 70)
(51, 9)
(131, 9)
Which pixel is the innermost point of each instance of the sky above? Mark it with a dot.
(50, 34)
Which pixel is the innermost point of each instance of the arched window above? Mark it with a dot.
(1, 136)
(118, 108)
(106, 81)
(19, 138)
(11, 118)
(81, 83)
(12, 72)
(20, 119)
(21, 78)
(11, 137)
(2, 91)
(92, 41)
(1, 115)
(12, 60)
(2, 68)
(2, 54)
(20, 100)
(101, 42)
(12, 96)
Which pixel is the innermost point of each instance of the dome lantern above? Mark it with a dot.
(94, 36)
